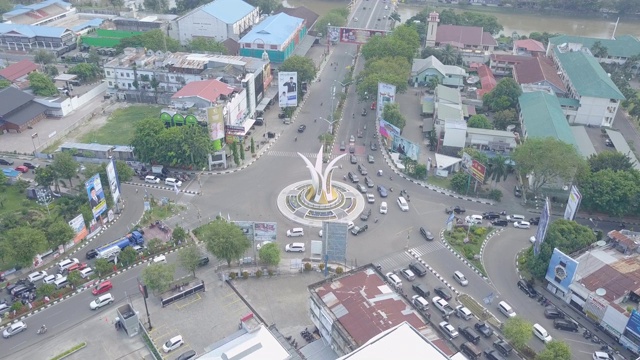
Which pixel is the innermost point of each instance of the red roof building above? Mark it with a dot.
(203, 93)
(502, 64)
(487, 80)
(539, 71)
(17, 73)
(528, 47)
(465, 37)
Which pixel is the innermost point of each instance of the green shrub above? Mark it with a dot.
(270, 272)
(259, 273)
(307, 266)
(245, 274)
(469, 253)
(339, 270)
(233, 275)
(321, 266)
(495, 194)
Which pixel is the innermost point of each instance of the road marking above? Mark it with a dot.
(193, 300)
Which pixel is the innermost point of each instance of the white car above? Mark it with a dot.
(403, 204)
(50, 279)
(15, 328)
(158, 259)
(521, 225)
(601, 355)
(295, 232)
(101, 301)
(449, 330)
(408, 274)
(371, 198)
(37, 276)
(473, 219)
(442, 305)
(173, 343)
(383, 207)
(394, 279)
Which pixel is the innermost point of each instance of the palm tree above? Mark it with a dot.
(449, 55)
(498, 169)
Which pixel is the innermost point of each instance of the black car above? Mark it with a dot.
(527, 288)
(443, 293)
(418, 269)
(566, 325)
(301, 128)
(365, 215)
(534, 220)
(484, 329)
(352, 149)
(282, 115)
(6, 161)
(421, 290)
(456, 209)
(203, 261)
(469, 334)
(553, 313)
(30, 166)
(492, 354)
(191, 354)
(91, 254)
(374, 146)
(426, 234)
(359, 230)
(503, 347)
(364, 112)
(16, 284)
(21, 289)
(500, 222)
(490, 215)
(382, 191)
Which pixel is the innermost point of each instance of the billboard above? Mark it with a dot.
(97, 202)
(246, 227)
(79, 228)
(561, 271)
(265, 231)
(478, 170)
(631, 335)
(388, 131)
(358, 36)
(405, 147)
(335, 239)
(543, 225)
(573, 203)
(215, 118)
(114, 184)
(287, 88)
(334, 33)
(386, 95)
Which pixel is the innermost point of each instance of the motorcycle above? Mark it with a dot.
(42, 330)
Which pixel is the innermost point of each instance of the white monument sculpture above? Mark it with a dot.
(321, 190)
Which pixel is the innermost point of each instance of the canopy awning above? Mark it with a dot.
(263, 104)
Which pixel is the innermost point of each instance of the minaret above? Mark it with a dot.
(432, 28)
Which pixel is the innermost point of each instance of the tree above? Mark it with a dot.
(270, 254)
(45, 290)
(116, 3)
(4, 83)
(542, 37)
(613, 160)
(253, 146)
(183, 146)
(460, 182)
(449, 55)
(189, 258)
(51, 70)
(45, 176)
(611, 192)
(518, 331)
(390, 70)
(555, 350)
(86, 72)
(65, 165)
(21, 244)
(235, 153)
(402, 42)
(125, 172)
(201, 44)
(74, 278)
(59, 233)
(497, 169)
(503, 118)
(479, 122)
(43, 57)
(94, 57)
(103, 267)
(128, 256)
(433, 83)
(391, 114)
(241, 151)
(42, 85)
(179, 234)
(598, 50)
(487, 22)
(146, 139)
(5, 6)
(503, 96)
(334, 18)
(158, 6)
(158, 277)
(548, 160)
(225, 240)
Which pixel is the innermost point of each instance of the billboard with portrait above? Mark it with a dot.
(388, 131)
(573, 203)
(265, 231)
(561, 271)
(114, 184)
(246, 227)
(405, 147)
(386, 95)
(543, 225)
(215, 118)
(79, 228)
(287, 88)
(97, 202)
(358, 36)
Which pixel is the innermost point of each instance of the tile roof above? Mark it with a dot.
(543, 117)
(228, 11)
(536, 70)
(432, 62)
(529, 45)
(509, 58)
(301, 12)
(274, 30)
(208, 89)
(623, 46)
(15, 71)
(487, 80)
(587, 76)
(466, 35)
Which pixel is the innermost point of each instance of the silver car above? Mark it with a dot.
(15, 328)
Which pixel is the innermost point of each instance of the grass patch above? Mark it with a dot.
(468, 247)
(53, 147)
(14, 201)
(160, 212)
(439, 181)
(70, 351)
(119, 127)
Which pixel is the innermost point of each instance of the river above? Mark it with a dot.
(522, 23)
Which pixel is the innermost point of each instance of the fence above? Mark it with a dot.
(182, 294)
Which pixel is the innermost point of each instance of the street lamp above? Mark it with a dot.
(44, 198)
(33, 136)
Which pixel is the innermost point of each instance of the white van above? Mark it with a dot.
(295, 232)
(460, 278)
(404, 205)
(506, 310)
(541, 333)
(86, 272)
(152, 179)
(65, 264)
(172, 182)
(420, 302)
(61, 282)
(294, 247)
(514, 218)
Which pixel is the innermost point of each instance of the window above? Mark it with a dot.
(260, 46)
(129, 85)
(110, 83)
(274, 47)
(127, 74)
(108, 73)
(122, 74)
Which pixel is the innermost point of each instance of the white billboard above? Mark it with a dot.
(287, 89)
(573, 203)
(386, 95)
(114, 185)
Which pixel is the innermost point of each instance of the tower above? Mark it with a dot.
(432, 28)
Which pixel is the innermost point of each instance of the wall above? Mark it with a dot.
(237, 108)
(63, 108)
(592, 111)
(201, 24)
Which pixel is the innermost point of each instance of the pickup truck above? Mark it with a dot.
(484, 329)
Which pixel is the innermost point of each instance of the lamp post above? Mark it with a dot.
(33, 136)
(328, 39)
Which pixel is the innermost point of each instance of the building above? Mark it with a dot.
(461, 37)
(219, 20)
(541, 116)
(147, 23)
(588, 83)
(203, 94)
(491, 140)
(354, 309)
(487, 81)
(32, 37)
(502, 64)
(619, 49)
(539, 71)
(99, 151)
(17, 73)
(303, 13)
(277, 36)
(38, 14)
(18, 111)
(422, 70)
(528, 47)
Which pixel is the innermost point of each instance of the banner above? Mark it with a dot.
(388, 131)
(114, 184)
(79, 228)
(358, 36)
(561, 271)
(386, 95)
(333, 32)
(265, 231)
(287, 89)
(97, 202)
(543, 225)
(478, 170)
(573, 203)
(405, 147)
(215, 118)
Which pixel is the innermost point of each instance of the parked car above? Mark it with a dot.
(503, 347)
(565, 324)
(394, 279)
(37, 276)
(191, 354)
(343, 146)
(6, 161)
(443, 293)
(91, 254)
(23, 169)
(491, 354)
(527, 288)
(421, 290)
(535, 220)
(50, 279)
(418, 268)
(31, 166)
(370, 159)
(427, 235)
(302, 128)
(483, 329)
(456, 209)
(359, 230)
(500, 222)
(521, 225)
(364, 216)
(383, 207)
(172, 344)
(448, 329)
(102, 287)
(408, 274)
(442, 305)
(490, 215)
(553, 313)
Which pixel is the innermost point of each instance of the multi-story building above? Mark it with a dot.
(32, 37)
(38, 14)
(276, 36)
(149, 75)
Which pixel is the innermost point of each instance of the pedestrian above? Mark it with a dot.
(30, 306)
(137, 190)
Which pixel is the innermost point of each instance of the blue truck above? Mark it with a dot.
(114, 248)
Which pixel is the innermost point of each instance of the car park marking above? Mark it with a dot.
(194, 299)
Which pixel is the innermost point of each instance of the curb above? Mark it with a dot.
(435, 273)
(463, 259)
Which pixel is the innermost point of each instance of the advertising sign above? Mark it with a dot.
(97, 202)
(561, 271)
(333, 33)
(114, 184)
(595, 307)
(388, 131)
(631, 335)
(573, 203)
(386, 95)
(265, 231)
(335, 239)
(358, 36)
(287, 88)
(215, 118)
(467, 162)
(545, 216)
(246, 227)
(478, 170)
(405, 147)
(79, 228)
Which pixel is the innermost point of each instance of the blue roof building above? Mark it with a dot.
(30, 37)
(276, 35)
(38, 14)
(219, 20)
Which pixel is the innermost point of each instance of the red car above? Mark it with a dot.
(76, 266)
(101, 288)
(373, 105)
(22, 169)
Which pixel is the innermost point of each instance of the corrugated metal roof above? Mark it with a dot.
(15, 71)
(23, 9)
(543, 117)
(33, 30)
(88, 147)
(620, 143)
(585, 146)
(274, 30)
(228, 11)
(587, 76)
(88, 24)
(623, 46)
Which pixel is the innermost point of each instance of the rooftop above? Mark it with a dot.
(301, 12)
(15, 71)
(487, 80)
(529, 45)
(586, 75)
(543, 117)
(537, 69)
(509, 58)
(464, 35)
(28, 14)
(210, 90)
(447, 94)
(256, 344)
(432, 62)
(12, 98)
(228, 11)
(623, 46)
(87, 147)
(274, 30)
(31, 31)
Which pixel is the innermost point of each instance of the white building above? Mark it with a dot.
(219, 20)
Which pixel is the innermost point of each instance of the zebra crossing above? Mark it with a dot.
(402, 259)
